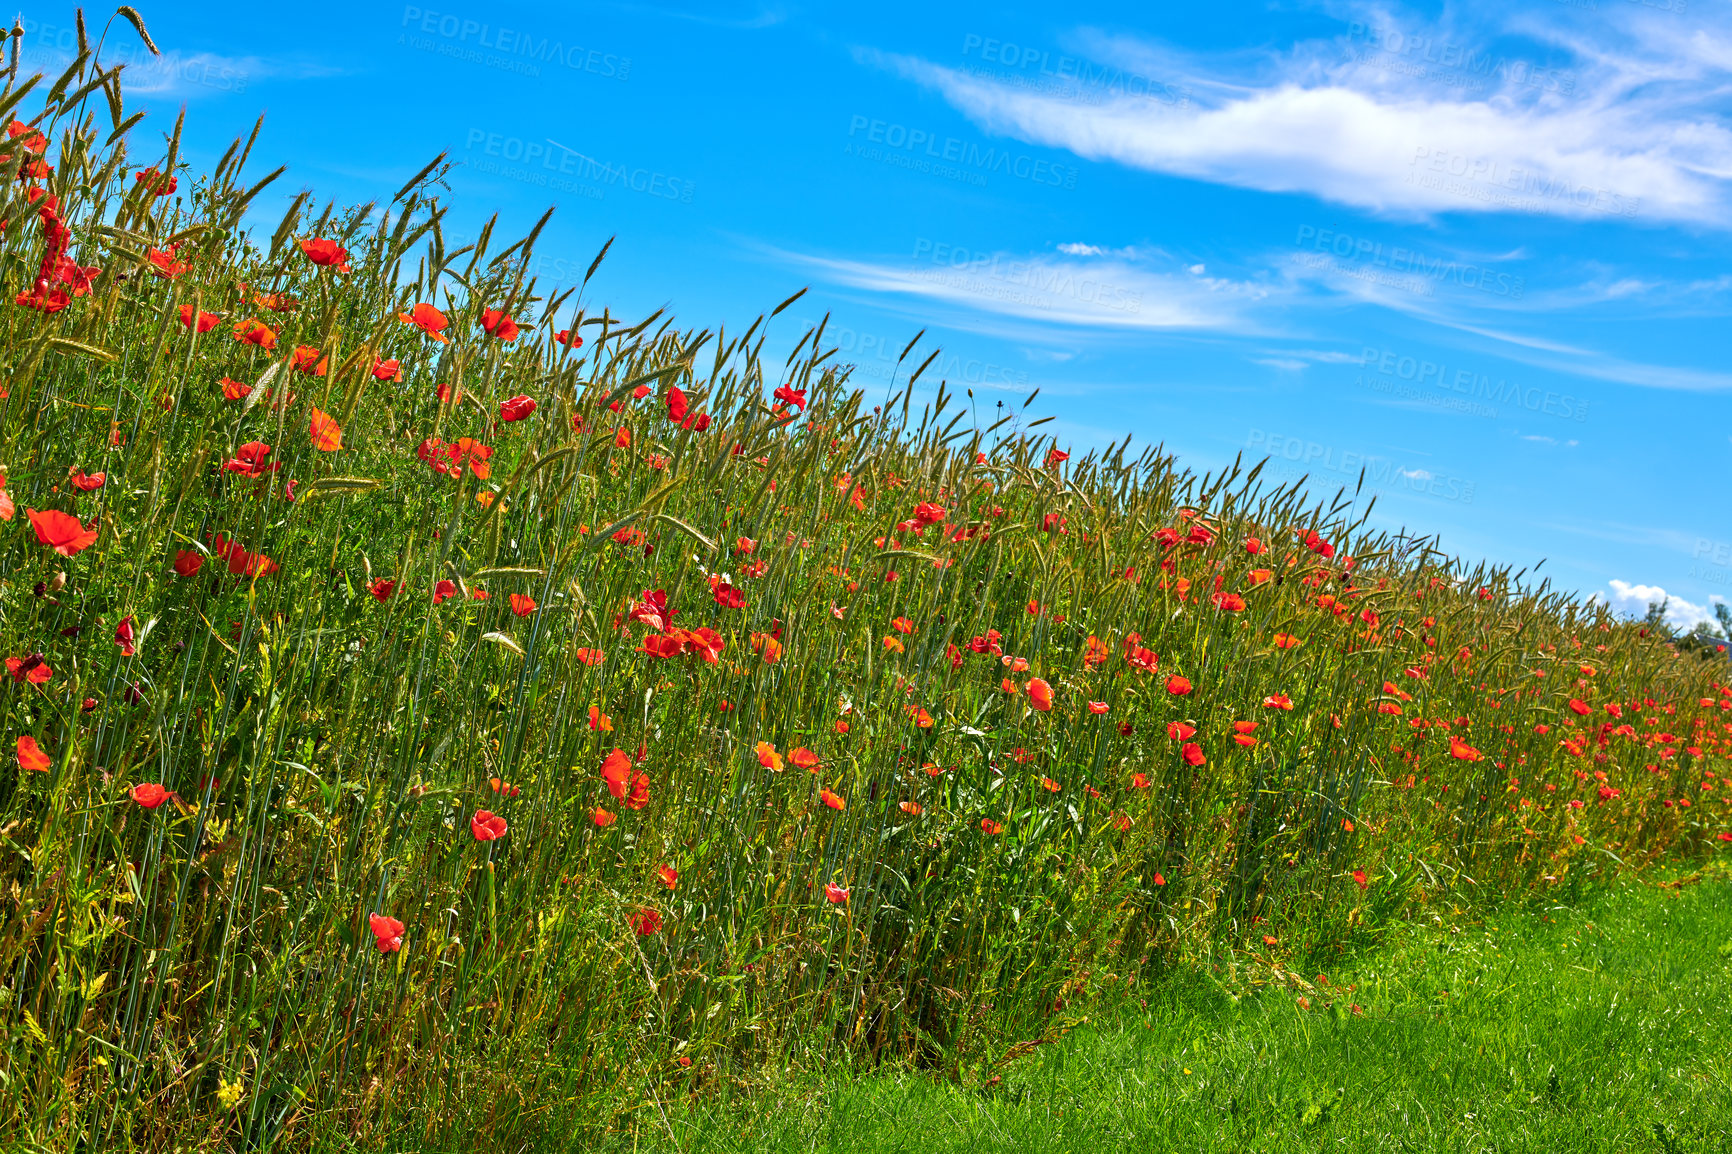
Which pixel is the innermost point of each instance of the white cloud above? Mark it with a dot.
(1680, 614)
(1081, 249)
(1639, 135)
(1113, 294)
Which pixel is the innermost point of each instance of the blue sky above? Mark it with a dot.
(1481, 250)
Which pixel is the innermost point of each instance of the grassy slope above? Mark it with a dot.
(1599, 1027)
(1342, 725)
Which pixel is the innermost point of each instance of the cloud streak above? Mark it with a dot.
(1392, 146)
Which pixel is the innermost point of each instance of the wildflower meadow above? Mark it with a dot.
(441, 710)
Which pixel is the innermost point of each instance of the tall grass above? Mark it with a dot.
(960, 864)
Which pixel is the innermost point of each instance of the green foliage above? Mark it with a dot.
(274, 709)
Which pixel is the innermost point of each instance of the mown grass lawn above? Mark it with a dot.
(1550, 1028)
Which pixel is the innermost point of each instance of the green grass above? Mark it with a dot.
(1598, 1027)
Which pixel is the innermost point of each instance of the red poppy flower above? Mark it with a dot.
(327, 254)
(677, 405)
(831, 800)
(516, 408)
(61, 532)
(164, 264)
(1359, 878)
(645, 922)
(30, 756)
(591, 656)
(249, 460)
(1462, 751)
(487, 826)
(387, 932)
(616, 771)
(836, 894)
(1193, 754)
(444, 590)
(569, 338)
(382, 589)
(306, 359)
(32, 139)
(496, 323)
(326, 433)
(1040, 695)
(1141, 658)
(240, 561)
(86, 482)
(1285, 641)
(123, 637)
(669, 875)
(768, 757)
(602, 818)
(1179, 731)
(428, 319)
(391, 370)
(989, 827)
(254, 332)
(803, 758)
(1178, 686)
(1228, 602)
(149, 794)
(205, 322)
(522, 605)
(30, 669)
(727, 596)
(156, 183)
(49, 302)
(1278, 701)
(467, 450)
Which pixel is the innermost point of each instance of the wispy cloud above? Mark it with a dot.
(1108, 293)
(1639, 137)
